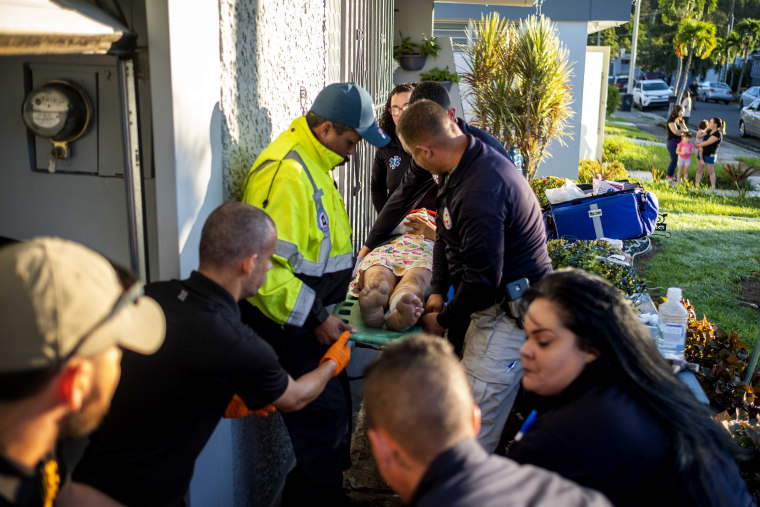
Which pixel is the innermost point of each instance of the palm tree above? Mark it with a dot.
(749, 31)
(700, 37)
(673, 11)
(680, 49)
(726, 50)
(519, 83)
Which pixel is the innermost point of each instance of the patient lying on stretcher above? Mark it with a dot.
(393, 281)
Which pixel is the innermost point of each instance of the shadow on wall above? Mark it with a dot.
(246, 127)
(262, 453)
(190, 231)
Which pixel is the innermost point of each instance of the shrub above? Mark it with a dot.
(588, 169)
(613, 99)
(592, 256)
(436, 74)
(612, 148)
(738, 174)
(540, 185)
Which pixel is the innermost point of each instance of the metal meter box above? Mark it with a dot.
(100, 150)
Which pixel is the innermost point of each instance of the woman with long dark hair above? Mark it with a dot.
(676, 129)
(612, 416)
(392, 162)
(715, 130)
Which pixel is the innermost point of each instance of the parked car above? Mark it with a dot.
(749, 120)
(651, 93)
(750, 95)
(712, 90)
(653, 75)
(621, 81)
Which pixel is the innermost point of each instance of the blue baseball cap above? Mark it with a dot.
(349, 104)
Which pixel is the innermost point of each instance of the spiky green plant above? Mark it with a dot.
(700, 37)
(519, 84)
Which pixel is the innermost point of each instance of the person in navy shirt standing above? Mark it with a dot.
(490, 234)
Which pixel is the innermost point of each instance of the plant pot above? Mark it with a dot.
(412, 62)
(445, 84)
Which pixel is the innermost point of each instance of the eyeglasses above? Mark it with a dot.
(397, 110)
(129, 296)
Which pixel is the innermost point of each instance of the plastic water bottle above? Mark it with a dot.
(672, 321)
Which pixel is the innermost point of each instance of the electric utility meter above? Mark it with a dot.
(59, 111)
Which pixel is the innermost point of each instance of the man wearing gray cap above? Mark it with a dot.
(312, 265)
(63, 317)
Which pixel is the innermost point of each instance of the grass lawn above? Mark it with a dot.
(621, 130)
(707, 256)
(642, 157)
(750, 161)
(679, 199)
(713, 238)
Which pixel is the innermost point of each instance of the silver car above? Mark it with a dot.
(750, 95)
(712, 90)
(749, 120)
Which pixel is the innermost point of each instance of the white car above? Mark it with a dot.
(749, 96)
(749, 120)
(651, 93)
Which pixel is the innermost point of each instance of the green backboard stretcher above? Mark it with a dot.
(348, 312)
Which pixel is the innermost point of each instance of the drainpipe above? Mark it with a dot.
(133, 176)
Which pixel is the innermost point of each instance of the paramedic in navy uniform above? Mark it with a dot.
(490, 233)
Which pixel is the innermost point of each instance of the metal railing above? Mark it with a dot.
(366, 58)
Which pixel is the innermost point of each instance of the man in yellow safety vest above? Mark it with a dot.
(312, 265)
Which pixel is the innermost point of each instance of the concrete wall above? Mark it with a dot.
(270, 50)
(563, 161)
(594, 102)
(266, 53)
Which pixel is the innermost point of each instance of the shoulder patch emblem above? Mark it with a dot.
(394, 162)
(322, 222)
(446, 218)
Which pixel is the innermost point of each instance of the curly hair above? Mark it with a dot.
(386, 120)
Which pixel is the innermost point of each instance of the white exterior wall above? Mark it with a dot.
(270, 49)
(563, 161)
(594, 102)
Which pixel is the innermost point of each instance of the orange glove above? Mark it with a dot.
(237, 408)
(338, 352)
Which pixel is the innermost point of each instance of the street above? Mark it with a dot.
(729, 113)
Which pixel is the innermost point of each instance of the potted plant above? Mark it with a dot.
(443, 76)
(412, 55)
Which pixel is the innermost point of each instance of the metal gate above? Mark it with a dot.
(364, 56)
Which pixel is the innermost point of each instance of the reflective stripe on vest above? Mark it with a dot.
(302, 308)
(287, 250)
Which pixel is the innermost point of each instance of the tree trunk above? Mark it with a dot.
(682, 88)
(678, 74)
(741, 77)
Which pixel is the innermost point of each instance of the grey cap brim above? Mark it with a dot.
(139, 327)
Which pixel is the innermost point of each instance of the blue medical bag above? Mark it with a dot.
(626, 214)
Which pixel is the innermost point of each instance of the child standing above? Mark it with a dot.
(684, 151)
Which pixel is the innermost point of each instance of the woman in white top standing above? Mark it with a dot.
(686, 105)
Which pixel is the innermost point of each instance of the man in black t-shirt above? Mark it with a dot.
(168, 405)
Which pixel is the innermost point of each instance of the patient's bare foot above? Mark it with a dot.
(372, 301)
(408, 310)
